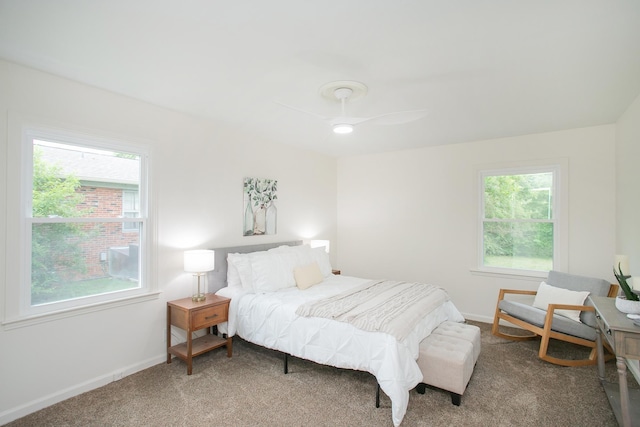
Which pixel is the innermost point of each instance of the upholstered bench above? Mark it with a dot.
(447, 358)
(463, 331)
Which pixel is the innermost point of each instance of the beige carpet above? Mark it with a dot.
(510, 387)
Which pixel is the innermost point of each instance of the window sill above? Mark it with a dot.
(76, 311)
(511, 274)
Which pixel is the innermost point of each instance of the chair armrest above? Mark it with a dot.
(554, 307)
(503, 292)
(548, 318)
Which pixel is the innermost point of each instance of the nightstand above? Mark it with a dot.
(192, 316)
(336, 272)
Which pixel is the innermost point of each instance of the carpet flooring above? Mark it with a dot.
(510, 387)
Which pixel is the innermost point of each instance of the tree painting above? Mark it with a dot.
(260, 212)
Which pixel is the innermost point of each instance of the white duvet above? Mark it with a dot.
(269, 320)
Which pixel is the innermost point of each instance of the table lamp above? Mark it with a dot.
(198, 262)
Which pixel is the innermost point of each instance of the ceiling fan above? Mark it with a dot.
(347, 90)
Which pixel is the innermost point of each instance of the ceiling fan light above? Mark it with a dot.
(343, 128)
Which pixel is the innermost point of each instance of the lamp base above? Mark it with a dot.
(198, 298)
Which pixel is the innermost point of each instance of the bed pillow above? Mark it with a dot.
(548, 294)
(308, 275)
(301, 252)
(233, 277)
(272, 271)
(243, 267)
(321, 256)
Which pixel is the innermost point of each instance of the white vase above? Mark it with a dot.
(626, 306)
(248, 219)
(260, 221)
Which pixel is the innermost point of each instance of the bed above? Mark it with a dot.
(270, 302)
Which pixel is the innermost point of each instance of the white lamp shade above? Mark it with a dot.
(199, 260)
(622, 261)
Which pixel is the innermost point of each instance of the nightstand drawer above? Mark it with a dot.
(209, 316)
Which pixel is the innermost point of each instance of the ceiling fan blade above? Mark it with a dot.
(398, 117)
(348, 120)
(303, 111)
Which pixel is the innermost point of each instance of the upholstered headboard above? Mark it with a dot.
(218, 277)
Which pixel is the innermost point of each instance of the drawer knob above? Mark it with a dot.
(211, 317)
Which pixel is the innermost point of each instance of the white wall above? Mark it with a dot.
(412, 215)
(628, 180)
(198, 167)
(404, 215)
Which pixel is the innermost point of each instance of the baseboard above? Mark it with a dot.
(478, 318)
(35, 405)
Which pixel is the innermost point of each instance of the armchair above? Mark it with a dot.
(547, 324)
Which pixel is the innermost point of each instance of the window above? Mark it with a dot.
(130, 209)
(519, 220)
(78, 194)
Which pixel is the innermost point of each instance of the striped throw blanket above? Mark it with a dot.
(379, 306)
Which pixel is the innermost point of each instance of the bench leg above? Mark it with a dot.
(378, 396)
(456, 398)
(421, 388)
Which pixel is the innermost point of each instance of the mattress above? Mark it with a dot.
(269, 319)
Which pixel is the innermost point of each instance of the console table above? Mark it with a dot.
(624, 338)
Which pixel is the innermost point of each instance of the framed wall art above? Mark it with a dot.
(260, 211)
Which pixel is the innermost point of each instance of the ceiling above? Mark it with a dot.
(482, 68)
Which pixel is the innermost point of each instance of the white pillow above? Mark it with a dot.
(308, 275)
(548, 294)
(302, 253)
(321, 256)
(243, 267)
(233, 277)
(272, 271)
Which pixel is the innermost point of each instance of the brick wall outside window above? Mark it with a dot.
(104, 203)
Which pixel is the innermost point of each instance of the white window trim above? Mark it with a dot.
(21, 131)
(560, 167)
(129, 230)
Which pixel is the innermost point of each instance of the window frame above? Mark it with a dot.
(559, 168)
(125, 211)
(18, 310)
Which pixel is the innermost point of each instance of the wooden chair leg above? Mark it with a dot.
(544, 347)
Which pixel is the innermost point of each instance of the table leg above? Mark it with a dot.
(624, 391)
(600, 354)
(229, 347)
(189, 352)
(168, 333)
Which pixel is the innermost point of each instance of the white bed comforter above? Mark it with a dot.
(270, 320)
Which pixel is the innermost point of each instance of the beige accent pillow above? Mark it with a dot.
(307, 275)
(548, 294)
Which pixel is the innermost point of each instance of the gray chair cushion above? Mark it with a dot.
(596, 287)
(535, 316)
